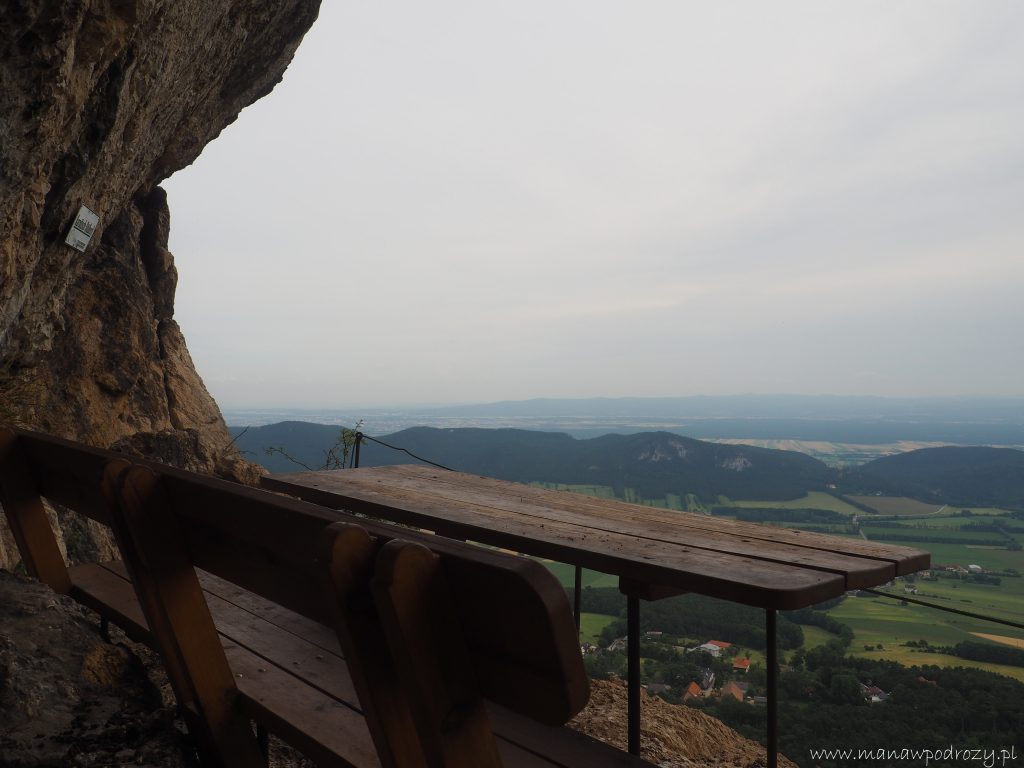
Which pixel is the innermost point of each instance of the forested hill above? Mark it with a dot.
(654, 464)
(959, 476)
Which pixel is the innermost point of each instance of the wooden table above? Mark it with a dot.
(654, 552)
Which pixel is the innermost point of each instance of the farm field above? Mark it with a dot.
(833, 454)
(671, 501)
(952, 534)
(965, 554)
(600, 491)
(1013, 642)
(1005, 601)
(910, 657)
(566, 574)
(591, 625)
(878, 621)
(813, 500)
(980, 515)
(887, 623)
(897, 505)
(815, 636)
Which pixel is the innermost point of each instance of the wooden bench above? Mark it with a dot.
(360, 643)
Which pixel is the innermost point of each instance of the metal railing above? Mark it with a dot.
(771, 636)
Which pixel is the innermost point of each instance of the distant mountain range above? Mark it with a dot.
(837, 419)
(656, 464)
(829, 407)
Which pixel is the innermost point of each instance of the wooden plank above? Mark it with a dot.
(311, 631)
(514, 756)
(562, 746)
(894, 553)
(318, 725)
(110, 596)
(67, 473)
(690, 528)
(859, 572)
(646, 591)
(742, 579)
(27, 518)
(327, 672)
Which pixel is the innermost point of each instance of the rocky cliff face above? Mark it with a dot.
(100, 100)
(671, 736)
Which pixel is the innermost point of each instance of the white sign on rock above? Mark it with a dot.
(81, 231)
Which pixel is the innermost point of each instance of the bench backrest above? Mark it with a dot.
(33, 467)
(427, 625)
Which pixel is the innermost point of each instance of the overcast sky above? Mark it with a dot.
(464, 201)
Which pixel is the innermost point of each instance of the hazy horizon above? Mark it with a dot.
(749, 402)
(462, 203)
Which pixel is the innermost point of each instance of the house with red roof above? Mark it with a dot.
(741, 665)
(692, 691)
(714, 647)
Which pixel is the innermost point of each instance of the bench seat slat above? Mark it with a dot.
(318, 725)
(111, 596)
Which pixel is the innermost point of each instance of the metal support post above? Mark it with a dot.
(577, 597)
(355, 455)
(773, 689)
(633, 672)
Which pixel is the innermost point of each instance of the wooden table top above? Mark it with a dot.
(761, 565)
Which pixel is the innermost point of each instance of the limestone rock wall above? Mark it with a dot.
(100, 100)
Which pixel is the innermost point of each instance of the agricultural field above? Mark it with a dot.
(947, 533)
(689, 502)
(566, 574)
(995, 559)
(878, 621)
(1013, 642)
(910, 657)
(1005, 601)
(897, 505)
(813, 500)
(591, 625)
(599, 491)
(833, 454)
(979, 515)
(815, 636)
